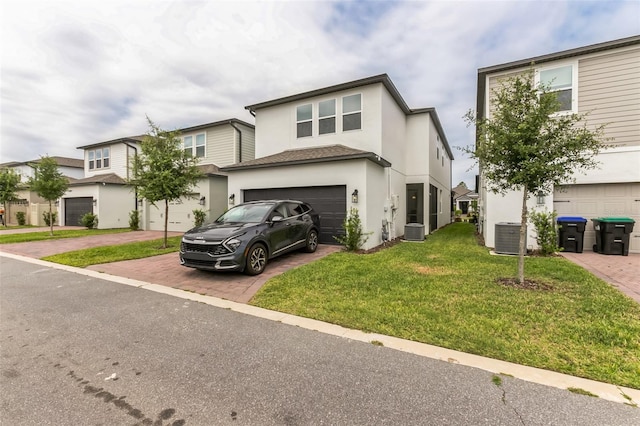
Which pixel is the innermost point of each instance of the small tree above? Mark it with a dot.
(9, 185)
(547, 231)
(48, 182)
(163, 171)
(199, 216)
(526, 146)
(353, 237)
(134, 220)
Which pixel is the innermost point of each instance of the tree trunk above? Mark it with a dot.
(50, 220)
(166, 222)
(523, 235)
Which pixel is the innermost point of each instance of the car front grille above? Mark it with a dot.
(211, 249)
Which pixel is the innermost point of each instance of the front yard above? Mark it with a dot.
(445, 292)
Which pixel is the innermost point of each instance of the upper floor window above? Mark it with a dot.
(195, 145)
(352, 112)
(304, 116)
(327, 112)
(99, 159)
(560, 81)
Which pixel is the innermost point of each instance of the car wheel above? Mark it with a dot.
(312, 241)
(256, 260)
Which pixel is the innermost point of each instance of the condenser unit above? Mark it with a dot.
(414, 232)
(508, 238)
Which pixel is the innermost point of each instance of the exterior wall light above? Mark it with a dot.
(354, 196)
(202, 200)
(232, 199)
(140, 202)
(540, 198)
(95, 202)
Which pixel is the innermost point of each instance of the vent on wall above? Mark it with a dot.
(507, 238)
(414, 232)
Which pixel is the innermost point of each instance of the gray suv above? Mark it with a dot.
(246, 236)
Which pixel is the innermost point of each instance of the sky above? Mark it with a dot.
(77, 72)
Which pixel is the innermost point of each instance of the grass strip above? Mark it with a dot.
(115, 253)
(57, 234)
(444, 292)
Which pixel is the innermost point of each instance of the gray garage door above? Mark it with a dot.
(330, 202)
(75, 208)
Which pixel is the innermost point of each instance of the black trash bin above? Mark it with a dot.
(612, 235)
(571, 233)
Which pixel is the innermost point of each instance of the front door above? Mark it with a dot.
(415, 204)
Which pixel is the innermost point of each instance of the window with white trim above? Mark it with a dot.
(327, 117)
(352, 112)
(304, 123)
(195, 145)
(561, 81)
(99, 158)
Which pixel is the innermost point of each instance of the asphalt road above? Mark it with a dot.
(76, 350)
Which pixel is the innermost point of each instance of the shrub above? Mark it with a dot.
(49, 217)
(134, 220)
(353, 237)
(199, 217)
(21, 218)
(545, 225)
(89, 220)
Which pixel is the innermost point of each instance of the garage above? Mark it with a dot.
(601, 200)
(180, 214)
(330, 202)
(75, 208)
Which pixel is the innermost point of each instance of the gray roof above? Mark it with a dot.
(210, 169)
(128, 139)
(62, 161)
(109, 178)
(321, 154)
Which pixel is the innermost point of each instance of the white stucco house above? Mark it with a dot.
(603, 79)
(351, 145)
(107, 166)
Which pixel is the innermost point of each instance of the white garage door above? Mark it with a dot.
(180, 215)
(601, 200)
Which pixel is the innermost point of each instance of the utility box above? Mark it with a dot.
(507, 236)
(571, 233)
(414, 232)
(612, 235)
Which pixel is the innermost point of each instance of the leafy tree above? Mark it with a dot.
(48, 182)
(9, 185)
(163, 171)
(526, 146)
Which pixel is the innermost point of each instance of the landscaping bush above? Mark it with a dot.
(199, 217)
(545, 225)
(89, 221)
(21, 218)
(50, 217)
(353, 238)
(134, 220)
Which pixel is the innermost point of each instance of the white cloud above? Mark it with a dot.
(76, 72)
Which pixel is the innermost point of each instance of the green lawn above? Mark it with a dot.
(57, 234)
(444, 292)
(116, 253)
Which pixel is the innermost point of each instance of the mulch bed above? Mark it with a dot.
(526, 285)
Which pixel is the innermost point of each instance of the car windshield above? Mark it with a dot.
(247, 213)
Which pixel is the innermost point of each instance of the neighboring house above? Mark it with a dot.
(107, 166)
(463, 199)
(28, 201)
(603, 79)
(353, 145)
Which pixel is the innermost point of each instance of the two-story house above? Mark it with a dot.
(107, 166)
(352, 145)
(28, 201)
(604, 80)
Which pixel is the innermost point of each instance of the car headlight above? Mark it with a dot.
(232, 244)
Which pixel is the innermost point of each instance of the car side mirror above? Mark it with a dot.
(277, 218)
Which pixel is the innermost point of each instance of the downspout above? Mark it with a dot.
(135, 149)
(239, 140)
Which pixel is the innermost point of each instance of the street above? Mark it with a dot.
(77, 350)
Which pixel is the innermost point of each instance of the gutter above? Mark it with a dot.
(239, 140)
(135, 149)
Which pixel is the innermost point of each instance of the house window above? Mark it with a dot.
(352, 112)
(560, 81)
(304, 115)
(197, 150)
(327, 113)
(99, 159)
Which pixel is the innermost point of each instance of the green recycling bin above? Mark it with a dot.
(612, 235)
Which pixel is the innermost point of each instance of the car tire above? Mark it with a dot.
(256, 260)
(312, 241)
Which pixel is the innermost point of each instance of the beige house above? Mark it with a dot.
(603, 79)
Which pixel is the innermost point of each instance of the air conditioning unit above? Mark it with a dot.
(508, 238)
(414, 232)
